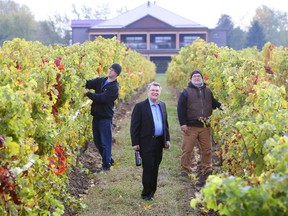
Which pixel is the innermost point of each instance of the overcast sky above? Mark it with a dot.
(204, 12)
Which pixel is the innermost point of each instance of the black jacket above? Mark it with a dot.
(142, 126)
(202, 103)
(103, 98)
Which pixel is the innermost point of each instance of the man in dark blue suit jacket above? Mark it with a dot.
(150, 134)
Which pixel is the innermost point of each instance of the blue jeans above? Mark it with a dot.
(102, 136)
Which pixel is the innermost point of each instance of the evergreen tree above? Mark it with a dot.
(237, 38)
(256, 36)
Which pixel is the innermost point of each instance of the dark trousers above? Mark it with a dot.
(102, 136)
(150, 164)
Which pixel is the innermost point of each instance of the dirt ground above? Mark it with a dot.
(79, 181)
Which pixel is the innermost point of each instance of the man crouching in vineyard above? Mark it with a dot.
(106, 92)
(194, 108)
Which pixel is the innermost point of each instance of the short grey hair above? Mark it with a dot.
(154, 84)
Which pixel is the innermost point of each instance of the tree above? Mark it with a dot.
(121, 10)
(256, 36)
(46, 33)
(235, 36)
(225, 22)
(274, 25)
(61, 25)
(16, 21)
(85, 12)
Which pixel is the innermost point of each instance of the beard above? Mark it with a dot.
(198, 84)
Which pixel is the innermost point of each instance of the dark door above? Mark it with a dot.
(161, 63)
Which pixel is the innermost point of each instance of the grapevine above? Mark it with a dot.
(251, 130)
(45, 119)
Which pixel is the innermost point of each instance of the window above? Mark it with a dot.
(187, 39)
(163, 42)
(106, 36)
(134, 41)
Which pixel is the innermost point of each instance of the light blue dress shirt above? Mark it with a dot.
(157, 118)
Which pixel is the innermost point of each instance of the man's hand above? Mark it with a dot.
(184, 128)
(136, 147)
(85, 92)
(167, 145)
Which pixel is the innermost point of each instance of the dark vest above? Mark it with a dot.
(199, 103)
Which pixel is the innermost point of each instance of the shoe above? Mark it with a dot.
(112, 162)
(102, 170)
(184, 174)
(200, 183)
(149, 198)
(203, 178)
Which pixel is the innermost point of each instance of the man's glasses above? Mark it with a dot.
(196, 76)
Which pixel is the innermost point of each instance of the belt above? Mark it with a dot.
(157, 137)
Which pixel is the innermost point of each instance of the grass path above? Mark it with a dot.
(117, 192)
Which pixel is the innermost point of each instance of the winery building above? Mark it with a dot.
(153, 31)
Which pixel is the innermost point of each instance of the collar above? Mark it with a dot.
(151, 103)
(191, 85)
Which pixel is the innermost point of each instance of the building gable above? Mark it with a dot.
(149, 22)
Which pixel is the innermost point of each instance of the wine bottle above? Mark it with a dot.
(137, 158)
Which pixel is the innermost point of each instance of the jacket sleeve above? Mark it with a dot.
(91, 84)
(135, 126)
(167, 133)
(215, 103)
(182, 107)
(110, 95)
